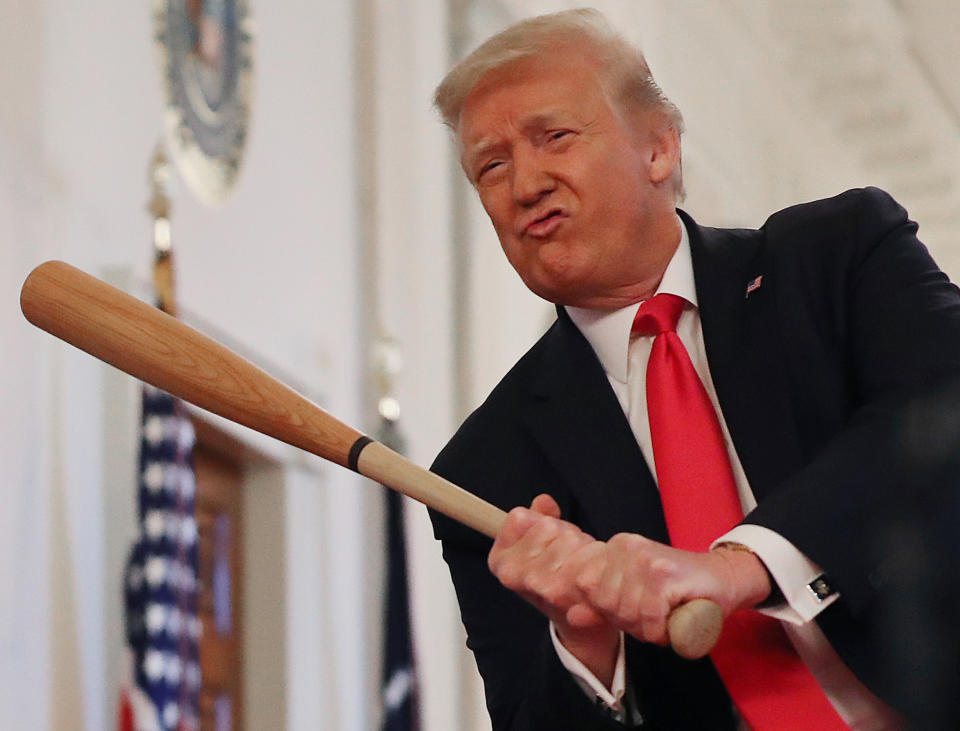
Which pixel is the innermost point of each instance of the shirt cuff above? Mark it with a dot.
(804, 587)
(588, 682)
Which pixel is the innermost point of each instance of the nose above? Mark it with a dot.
(531, 181)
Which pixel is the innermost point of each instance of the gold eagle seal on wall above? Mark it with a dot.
(206, 55)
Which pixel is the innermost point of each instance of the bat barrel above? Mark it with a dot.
(150, 345)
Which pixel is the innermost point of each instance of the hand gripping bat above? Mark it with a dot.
(150, 345)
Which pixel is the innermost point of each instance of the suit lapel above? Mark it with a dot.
(577, 421)
(744, 350)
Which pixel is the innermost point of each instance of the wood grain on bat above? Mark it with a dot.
(143, 341)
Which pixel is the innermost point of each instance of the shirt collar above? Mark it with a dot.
(608, 331)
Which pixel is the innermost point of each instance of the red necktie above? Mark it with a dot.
(769, 684)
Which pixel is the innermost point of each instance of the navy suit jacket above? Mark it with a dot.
(832, 376)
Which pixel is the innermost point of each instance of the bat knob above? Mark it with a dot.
(694, 628)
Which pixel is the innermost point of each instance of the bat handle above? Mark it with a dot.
(693, 627)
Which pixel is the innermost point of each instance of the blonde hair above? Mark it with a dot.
(625, 69)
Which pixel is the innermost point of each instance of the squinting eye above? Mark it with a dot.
(488, 167)
(559, 133)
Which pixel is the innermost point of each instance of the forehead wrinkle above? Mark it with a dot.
(533, 121)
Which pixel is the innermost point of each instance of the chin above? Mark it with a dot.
(559, 292)
(557, 272)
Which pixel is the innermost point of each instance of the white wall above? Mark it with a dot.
(24, 493)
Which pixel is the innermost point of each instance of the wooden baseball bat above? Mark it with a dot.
(150, 345)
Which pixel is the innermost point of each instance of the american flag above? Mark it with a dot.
(160, 586)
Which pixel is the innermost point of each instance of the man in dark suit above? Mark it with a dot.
(827, 344)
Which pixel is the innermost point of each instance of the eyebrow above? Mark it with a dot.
(537, 120)
(470, 156)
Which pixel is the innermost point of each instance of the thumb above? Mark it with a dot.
(583, 616)
(545, 505)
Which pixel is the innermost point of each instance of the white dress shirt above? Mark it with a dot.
(624, 359)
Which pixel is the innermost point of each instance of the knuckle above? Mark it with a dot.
(628, 611)
(533, 583)
(555, 593)
(510, 576)
(516, 517)
(605, 599)
(569, 542)
(588, 582)
(543, 531)
(627, 541)
(627, 615)
(662, 567)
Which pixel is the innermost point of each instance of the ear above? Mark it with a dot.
(664, 151)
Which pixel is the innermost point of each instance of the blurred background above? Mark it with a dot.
(335, 244)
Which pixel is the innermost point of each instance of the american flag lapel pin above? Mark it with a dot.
(753, 285)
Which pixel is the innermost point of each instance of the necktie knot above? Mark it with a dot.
(657, 315)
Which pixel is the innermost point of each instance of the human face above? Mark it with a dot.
(577, 188)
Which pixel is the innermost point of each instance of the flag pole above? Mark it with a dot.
(160, 583)
(399, 692)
